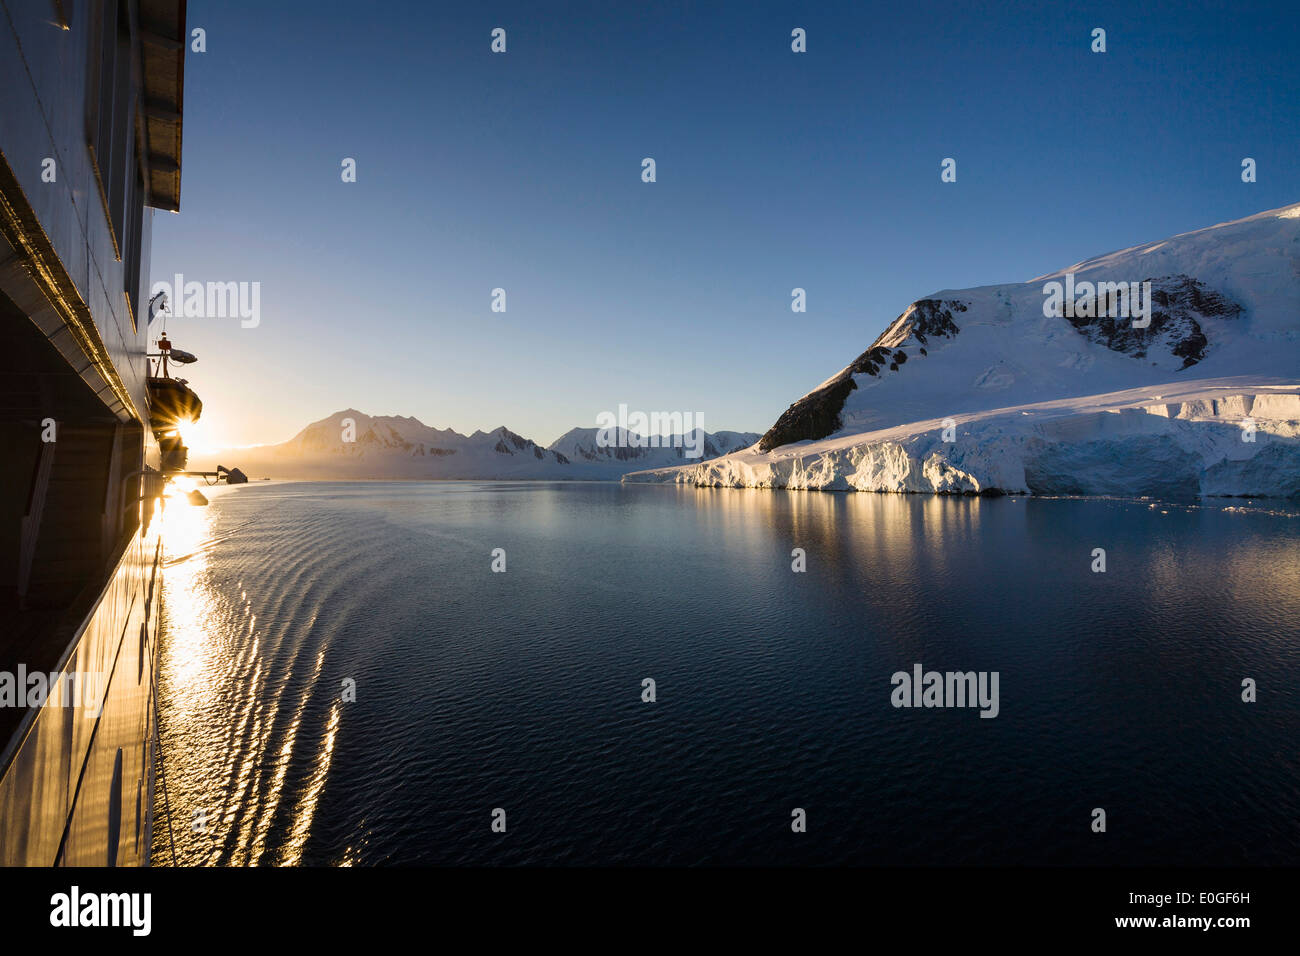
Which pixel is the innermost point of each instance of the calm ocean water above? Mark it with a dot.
(522, 690)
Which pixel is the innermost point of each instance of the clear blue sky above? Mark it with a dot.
(775, 170)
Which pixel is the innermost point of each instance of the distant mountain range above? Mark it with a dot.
(353, 445)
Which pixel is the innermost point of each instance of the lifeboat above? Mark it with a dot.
(171, 403)
(171, 400)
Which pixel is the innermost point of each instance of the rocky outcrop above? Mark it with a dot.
(817, 414)
(1179, 304)
(509, 443)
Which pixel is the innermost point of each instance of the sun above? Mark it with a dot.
(192, 436)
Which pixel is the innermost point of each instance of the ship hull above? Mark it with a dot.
(77, 786)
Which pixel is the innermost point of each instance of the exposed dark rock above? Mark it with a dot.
(509, 443)
(813, 416)
(1177, 302)
(817, 414)
(518, 441)
(929, 317)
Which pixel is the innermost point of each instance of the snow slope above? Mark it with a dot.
(1053, 404)
(396, 447)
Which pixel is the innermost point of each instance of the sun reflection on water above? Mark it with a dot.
(306, 811)
(188, 612)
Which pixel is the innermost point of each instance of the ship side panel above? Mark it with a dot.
(82, 771)
(108, 825)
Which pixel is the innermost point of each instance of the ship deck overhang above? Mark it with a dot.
(34, 277)
(163, 40)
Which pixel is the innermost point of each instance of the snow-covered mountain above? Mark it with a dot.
(351, 444)
(1025, 388)
(583, 445)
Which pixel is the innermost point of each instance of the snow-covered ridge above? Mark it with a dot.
(1042, 402)
(585, 445)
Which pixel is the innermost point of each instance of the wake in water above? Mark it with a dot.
(249, 738)
(205, 546)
